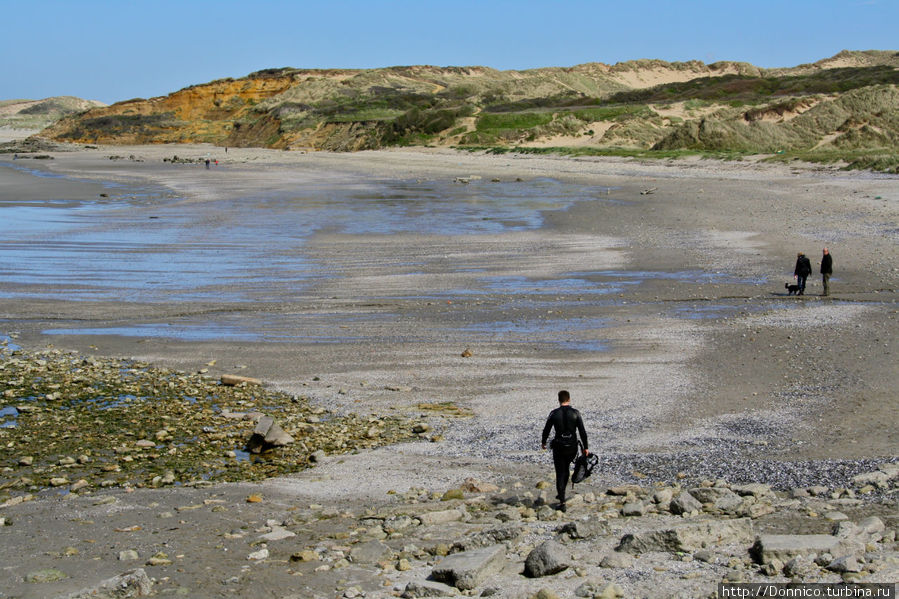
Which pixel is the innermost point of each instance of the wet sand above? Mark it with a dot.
(677, 334)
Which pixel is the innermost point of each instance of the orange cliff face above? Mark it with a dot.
(196, 114)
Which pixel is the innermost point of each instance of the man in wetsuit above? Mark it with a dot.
(568, 424)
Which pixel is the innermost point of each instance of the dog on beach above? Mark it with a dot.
(792, 288)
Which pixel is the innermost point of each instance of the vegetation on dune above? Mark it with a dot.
(820, 111)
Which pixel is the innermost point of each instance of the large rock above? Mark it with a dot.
(684, 504)
(267, 435)
(688, 537)
(548, 558)
(134, 583)
(426, 588)
(370, 553)
(768, 548)
(441, 517)
(468, 569)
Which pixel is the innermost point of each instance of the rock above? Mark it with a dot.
(835, 516)
(466, 353)
(160, 559)
(233, 380)
(877, 479)
(453, 494)
(134, 583)
(663, 496)
(129, 555)
(267, 435)
(370, 552)
(145, 443)
(584, 529)
(426, 588)
(26, 460)
(45, 575)
(757, 490)
(468, 569)
(441, 517)
(684, 503)
(800, 566)
(544, 594)
(258, 555)
(547, 559)
(59, 481)
(420, 428)
(617, 559)
(844, 565)
(472, 485)
(78, 485)
(786, 547)
(278, 533)
(307, 555)
(633, 508)
(595, 589)
(688, 537)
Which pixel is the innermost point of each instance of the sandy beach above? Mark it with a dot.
(653, 292)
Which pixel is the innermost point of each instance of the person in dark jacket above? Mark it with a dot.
(826, 271)
(802, 271)
(567, 423)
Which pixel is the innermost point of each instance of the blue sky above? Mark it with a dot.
(117, 50)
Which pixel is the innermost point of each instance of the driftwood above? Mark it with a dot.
(646, 192)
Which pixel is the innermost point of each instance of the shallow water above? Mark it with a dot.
(146, 245)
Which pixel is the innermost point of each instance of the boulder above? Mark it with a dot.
(618, 560)
(845, 565)
(427, 588)
(371, 552)
(441, 517)
(548, 558)
(684, 504)
(633, 508)
(468, 569)
(267, 435)
(688, 537)
(786, 547)
(584, 529)
(134, 583)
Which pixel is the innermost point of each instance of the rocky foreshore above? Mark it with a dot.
(70, 422)
(476, 539)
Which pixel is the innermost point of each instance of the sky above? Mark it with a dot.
(117, 50)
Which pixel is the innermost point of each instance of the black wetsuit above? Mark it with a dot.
(568, 424)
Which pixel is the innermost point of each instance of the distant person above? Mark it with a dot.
(802, 271)
(207, 163)
(568, 424)
(826, 271)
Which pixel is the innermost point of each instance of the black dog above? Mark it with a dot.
(793, 289)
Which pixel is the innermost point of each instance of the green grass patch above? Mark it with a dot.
(614, 113)
(517, 120)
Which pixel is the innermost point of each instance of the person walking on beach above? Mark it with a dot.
(802, 271)
(567, 423)
(826, 271)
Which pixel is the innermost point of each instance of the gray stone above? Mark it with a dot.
(370, 552)
(844, 565)
(441, 517)
(688, 537)
(134, 583)
(801, 566)
(878, 479)
(752, 489)
(663, 496)
(548, 558)
(267, 435)
(633, 508)
(617, 559)
(786, 547)
(584, 529)
(684, 504)
(45, 575)
(427, 588)
(468, 569)
(128, 555)
(597, 589)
